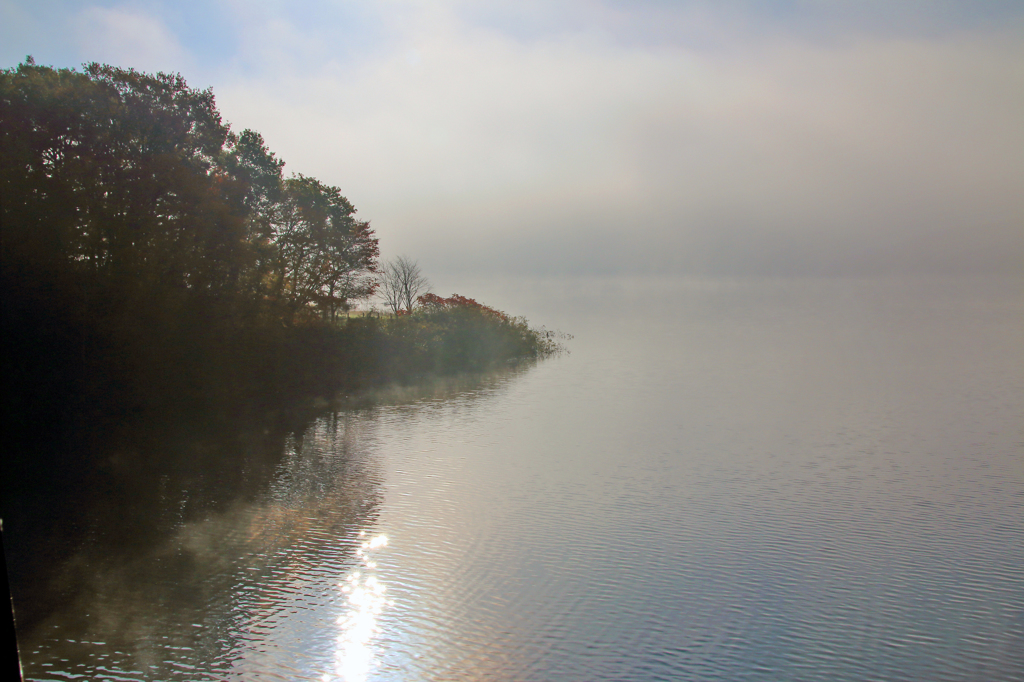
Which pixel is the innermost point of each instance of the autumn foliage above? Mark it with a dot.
(435, 303)
(455, 334)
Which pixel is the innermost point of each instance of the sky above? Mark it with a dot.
(598, 137)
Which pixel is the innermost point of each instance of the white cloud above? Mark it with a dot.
(606, 134)
(601, 134)
(125, 36)
(487, 144)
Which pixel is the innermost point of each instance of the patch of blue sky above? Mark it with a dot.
(39, 29)
(194, 35)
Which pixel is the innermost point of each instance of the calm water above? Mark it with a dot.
(770, 480)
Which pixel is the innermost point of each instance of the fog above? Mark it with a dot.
(611, 138)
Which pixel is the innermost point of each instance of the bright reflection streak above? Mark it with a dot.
(354, 658)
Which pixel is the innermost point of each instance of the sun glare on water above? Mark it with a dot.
(366, 599)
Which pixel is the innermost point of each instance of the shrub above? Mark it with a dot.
(456, 334)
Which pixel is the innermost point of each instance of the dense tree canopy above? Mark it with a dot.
(132, 183)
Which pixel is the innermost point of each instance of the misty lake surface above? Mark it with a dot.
(723, 480)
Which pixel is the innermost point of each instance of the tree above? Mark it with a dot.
(258, 172)
(131, 183)
(112, 172)
(401, 284)
(323, 256)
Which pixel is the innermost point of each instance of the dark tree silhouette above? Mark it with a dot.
(154, 261)
(133, 182)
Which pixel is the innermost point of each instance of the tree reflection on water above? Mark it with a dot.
(192, 551)
(188, 551)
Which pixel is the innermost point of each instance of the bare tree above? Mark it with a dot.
(401, 282)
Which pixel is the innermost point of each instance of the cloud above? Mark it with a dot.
(573, 150)
(598, 135)
(125, 36)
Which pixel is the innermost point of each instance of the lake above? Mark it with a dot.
(787, 479)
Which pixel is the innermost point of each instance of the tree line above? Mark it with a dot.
(153, 260)
(133, 183)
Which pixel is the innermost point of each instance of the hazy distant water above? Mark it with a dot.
(781, 480)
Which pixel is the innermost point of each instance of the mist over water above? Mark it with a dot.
(788, 479)
(803, 462)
